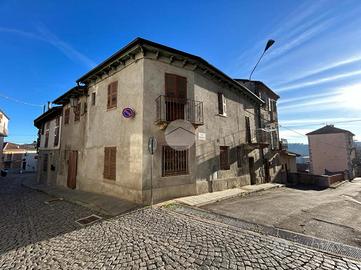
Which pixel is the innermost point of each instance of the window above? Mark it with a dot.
(66, 116)
(239, 156)
(93, 98)
(174, 162)
(112, 95)
(222, 105)
(42, 129)
(77, 112)
(224, 157)
(85, 108)
(110, 157)
(56, 131)
(248, 131)
(47, 135)
(45, 163)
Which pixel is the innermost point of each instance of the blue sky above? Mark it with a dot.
(315, 64)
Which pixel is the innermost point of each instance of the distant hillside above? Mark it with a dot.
(298, 148)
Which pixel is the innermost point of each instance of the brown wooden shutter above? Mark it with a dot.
(220, 103)
(112, 163)
(112, 95)
(224, 157)
(109, 96)
(110, 157)
(66, 116)
(181, 87)
(170, 85)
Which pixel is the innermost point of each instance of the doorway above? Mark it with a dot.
(72, 169)
(251, 170)
(266, 171)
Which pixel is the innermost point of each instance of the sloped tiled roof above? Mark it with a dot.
(329, 129)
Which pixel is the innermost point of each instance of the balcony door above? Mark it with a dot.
(175, 96)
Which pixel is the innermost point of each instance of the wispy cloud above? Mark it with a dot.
(45, 35)
(327, 67)
(308, 97)
(345, 97)
(319, 81)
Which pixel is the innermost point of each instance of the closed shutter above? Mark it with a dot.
(112, 95)
(222, 105)
(224, 157)
(110, 156)
(182, 87)
(171, 85)
(66, 116)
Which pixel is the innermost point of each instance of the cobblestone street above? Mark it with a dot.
(35, 235)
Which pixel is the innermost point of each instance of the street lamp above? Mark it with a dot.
(268, 45)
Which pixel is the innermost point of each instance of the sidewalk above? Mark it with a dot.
(106, 205)
(208, 198)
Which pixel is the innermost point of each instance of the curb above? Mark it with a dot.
(241, 194)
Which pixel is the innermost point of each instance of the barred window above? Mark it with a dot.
(174, 162)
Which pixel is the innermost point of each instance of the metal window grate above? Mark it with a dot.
(174, 162)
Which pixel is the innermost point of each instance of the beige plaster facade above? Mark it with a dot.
(140, 73)
(332, 151)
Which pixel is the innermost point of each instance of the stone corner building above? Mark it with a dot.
(100, 150)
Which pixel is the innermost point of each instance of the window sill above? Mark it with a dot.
(222, 115)
(111, 109)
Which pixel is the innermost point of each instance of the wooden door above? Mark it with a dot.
(175, 96)
(251, 170)
(266, 169)
(72, 169)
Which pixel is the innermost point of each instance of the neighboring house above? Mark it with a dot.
(4, 122)
(288, 161)
(331, 151)
(268, 124)
(49, 125)
(18, 158)
(135, 94)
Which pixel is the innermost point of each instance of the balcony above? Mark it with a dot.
(170, 109)
(259, 138)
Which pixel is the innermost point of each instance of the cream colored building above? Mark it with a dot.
(331, 151)
(101, 150)
(49, 125)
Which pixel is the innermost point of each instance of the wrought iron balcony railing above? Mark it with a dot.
(170, 109)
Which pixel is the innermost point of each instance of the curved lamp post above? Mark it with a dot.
(270, 42)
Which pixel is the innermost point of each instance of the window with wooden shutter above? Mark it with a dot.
(222, 105)
(77, 112)
(224, 157)
(56, 131)
(66, 116)
(47, 135)
(93, 98)
(248, 130)
(174, 162)
(112, 95)
(110, 157)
